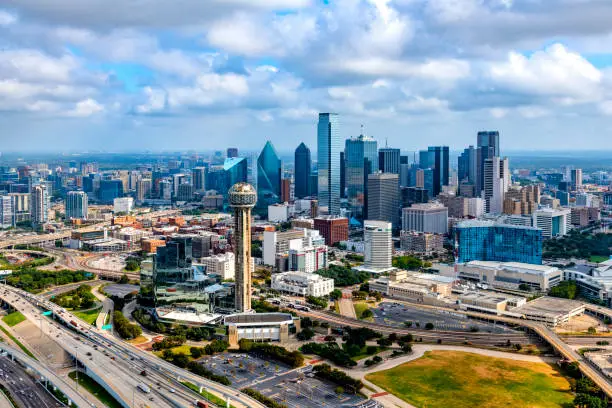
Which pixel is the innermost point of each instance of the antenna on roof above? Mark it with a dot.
(362, 129)
(386, 142)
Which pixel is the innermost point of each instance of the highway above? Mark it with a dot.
(477, 338)
(119, 364)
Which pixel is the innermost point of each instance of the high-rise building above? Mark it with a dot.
(576, 179)
(329, 146)
(143, 189)
(185, 192)
(553, 222)
(198, 179)
(489, 241)
(6, 211)
(21, 207)
(383, 198)
(413, 195)
(333, 229)
(285, 195)
(109, 190)
(467, 165)
(361, 159)
(123, 205)
(76, 205)
(165, 190)
(428, 217)
(177, 180)
(269, 169)
(496, 183)
(39, 205)
(488, 146)
(389, 160)
(378, 245)
(232, 152)
(242, 198)
(234, 171)
(303, 165)
(440, 167)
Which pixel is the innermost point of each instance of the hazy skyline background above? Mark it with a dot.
(156, 75)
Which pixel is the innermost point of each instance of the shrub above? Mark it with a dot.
(291, 358)
(348, 383)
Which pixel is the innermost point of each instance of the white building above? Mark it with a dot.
(427, 217)
(306, 258)
(123, 204)
(131, 235)
(553, 222)
(595, 283)
(39, 204)
(496, 184)
(475, 207)
(279, 212)
(378, 245)
(222, 264)
(279, 243)
(302, 283)
(76, 205)
(6, 211)
(510, 275)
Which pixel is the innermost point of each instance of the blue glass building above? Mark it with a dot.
(269, 173)
(490, 241)
(303, 164)
(109, 190)
(389, 160)
(361, 159)
(329, 146)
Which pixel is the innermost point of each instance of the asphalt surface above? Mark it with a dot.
(26, 392)
(116, 289)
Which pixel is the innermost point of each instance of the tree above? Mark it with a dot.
(305, 334)
(525, 287)
(429, 326)
(131, 265)
(565, 289)
(592, 330)
(335, 294)
(339, 390)
(124, 279)
(367, 314)
(180, 360)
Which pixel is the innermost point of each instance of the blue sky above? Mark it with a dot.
(121, 75)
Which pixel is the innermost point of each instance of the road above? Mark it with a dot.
(23, 389)
(120, 364)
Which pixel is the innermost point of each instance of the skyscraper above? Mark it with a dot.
(242, 198)
(576, 179)
(488, 146)
(303, 165)
(76, 205)
(383, 198)
(269, 170)
(440, 167)
(496, 183)
(378, 245)
(143, 189)
(198, 179)
(329, 146)
(389, 160)
(6, 211)
(232, 152)
(39, 205)
(361, 159)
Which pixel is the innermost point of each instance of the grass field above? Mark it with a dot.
(96, 389)
(361, 307)
(465, 380)
(13, 319)
(207, 395)
(599, 258)
(185, 348)
(88, 316)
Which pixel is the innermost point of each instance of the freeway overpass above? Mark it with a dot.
(46, 376)
(117, 365)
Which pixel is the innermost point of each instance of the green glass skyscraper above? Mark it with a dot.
(269, 168)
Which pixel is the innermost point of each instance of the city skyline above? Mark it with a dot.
(415, 73)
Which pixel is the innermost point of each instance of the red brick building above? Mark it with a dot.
(333, 229)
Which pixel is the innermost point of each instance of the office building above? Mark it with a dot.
(6, 211)
(333, 229)
(165, 190)
(242, 198)
(232, 152)
(39, 205)
(491, 241)
(223, 265)
(487, 147)
(576, 179)
(303, 165)
(383, 198)
(511, 275)
(378, 246)
(457, 206)
(269, 170)
(361, 159)
(496, 183)
(279, 212)
(428, 217)
(422, 243)
(467, 165)
(76, 205)
(21, 207)
(235, 170)
(563, 197)
(413, 195)
(553, 222)
(109, 190)
(198, 179)
(285, 195)
(389, 160)
(302, 284)
(143, 189)
(296, 249)
(329, 146)
(185, 192)
(123, 205)
(475, 207)
(522, 200)
(308, 258)
(440, 167)
(177, 180)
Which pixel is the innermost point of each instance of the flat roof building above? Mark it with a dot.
(302, 283)
(511, 275)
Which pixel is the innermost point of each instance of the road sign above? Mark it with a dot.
(47, 313)
(107, 327)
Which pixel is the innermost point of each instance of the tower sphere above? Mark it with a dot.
(242, 195)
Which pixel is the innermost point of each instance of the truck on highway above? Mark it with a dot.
(144, 388)
(72, 322)
(201, 404)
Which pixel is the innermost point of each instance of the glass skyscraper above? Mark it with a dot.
(269, 173)
(489, 241)
(303, 164)
(389, 160)
(361, 159)
(440, 168)
(329, 146)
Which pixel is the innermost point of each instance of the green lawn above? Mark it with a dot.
(96, 389)
(361, 307)
(88, 316)
(13, 319)
(465, 380)
(599, 258)
(18, 343)
(210, 397)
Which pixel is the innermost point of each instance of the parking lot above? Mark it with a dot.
(395, 314)
(293, 388)
(116, 289)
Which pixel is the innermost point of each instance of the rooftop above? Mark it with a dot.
(516, 266)
(489, 223)
(254, 318)
(549, 307)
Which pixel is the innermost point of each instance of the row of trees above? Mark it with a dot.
(410, 262)
(330, 351)
(336, 376)
(267, 401)
(169, 342)
(124, 328)
(215, 346)
(265, 350)
(34, 281)
(343, 276)
(182, 360)
(565, 289)
(578, 245)
(80, 298)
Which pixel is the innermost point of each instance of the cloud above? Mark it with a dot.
(86, 107)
